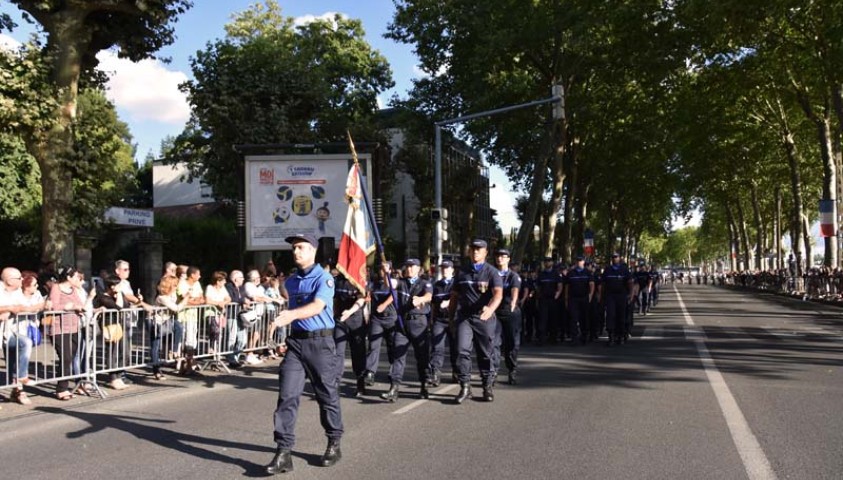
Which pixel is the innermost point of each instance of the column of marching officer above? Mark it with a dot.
(485, 307)
(476, 309)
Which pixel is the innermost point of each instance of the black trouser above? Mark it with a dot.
(508, 338)
(529, 319)
(439, 334)
(380, 329)
(415, 333)
(578, 313)
(597, 318)
(353, 333)
(616, 307)
(66, 345)
(546, 311)
(315, 359)
(471, 331)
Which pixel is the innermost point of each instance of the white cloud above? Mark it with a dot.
(305, 19)
(147, 90)
(8, 43)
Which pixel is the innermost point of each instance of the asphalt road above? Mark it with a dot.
(722, 385)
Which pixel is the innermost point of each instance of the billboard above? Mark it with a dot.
(288, 194)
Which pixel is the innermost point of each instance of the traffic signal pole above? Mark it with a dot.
(558, 96)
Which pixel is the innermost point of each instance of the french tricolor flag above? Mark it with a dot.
(356, 243)
(828, 217)
(588, 243)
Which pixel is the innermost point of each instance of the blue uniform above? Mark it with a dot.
(474, 287)
(528, 312)
(312, 354)
(547, 284)
(615, 284)
(352, 332)
(415, 330)
(643, 278)
(440, 330)
(508, 336)
(381, 326)
(578, 285)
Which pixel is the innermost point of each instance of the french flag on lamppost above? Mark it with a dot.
(828, 217)
(356, 243)
(588, 243)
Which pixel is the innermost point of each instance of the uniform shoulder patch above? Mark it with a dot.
(330, 282)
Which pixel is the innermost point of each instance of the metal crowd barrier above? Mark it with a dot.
(88, 348)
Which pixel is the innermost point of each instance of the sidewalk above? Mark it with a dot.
(43, 395)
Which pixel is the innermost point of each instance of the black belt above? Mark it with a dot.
(303, 334)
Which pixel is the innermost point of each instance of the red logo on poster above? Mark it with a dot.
(267, 176)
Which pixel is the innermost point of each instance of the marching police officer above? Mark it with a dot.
(656, 280)
(579, 290)
(597, 314)
(382, 322)
(439, 325)
(616, 291)
(549, 290)
(508, 337)
(414, 296)
(478, 292)
(351, 330)
(311, 353)
(645, 284)
(528, 304)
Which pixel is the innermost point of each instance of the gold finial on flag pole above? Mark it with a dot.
(351, 145)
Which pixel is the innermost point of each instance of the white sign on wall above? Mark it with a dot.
(132, 217)
(295, 194)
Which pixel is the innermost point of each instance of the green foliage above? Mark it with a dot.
(209, 243)
(270, 82)
(19, 175)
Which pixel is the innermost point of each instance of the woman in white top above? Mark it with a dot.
(216, 299)
(168, 299)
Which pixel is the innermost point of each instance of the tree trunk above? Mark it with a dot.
(557, 176)
(747, 254)
(525, 233)
(581, 208)
(733, 238)
(54, 152)
(794, 160)
(610, 230)
(809, 251)
(760, 235)
(777, 228)
(571, 193)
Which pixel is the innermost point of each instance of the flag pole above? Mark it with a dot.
(375, 231)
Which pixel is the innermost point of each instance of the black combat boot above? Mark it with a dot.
(282, 462)
(392, 395)
(465, 392)
(423, 393)
(361, 387)
(513, 377)
(333, 454)
(369, 378)
(434, 379)
(489, 392)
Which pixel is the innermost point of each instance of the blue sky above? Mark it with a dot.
(147, 97)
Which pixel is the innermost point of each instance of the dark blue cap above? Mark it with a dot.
(302, 237)
(479, 243)
(548, 259)
(412, 262)
(446, 264)
(502, 251)
(580, 258)
(615, 255)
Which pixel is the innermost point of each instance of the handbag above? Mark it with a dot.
(247, 319)
(34, 334)
(162, 325)
(112, 333)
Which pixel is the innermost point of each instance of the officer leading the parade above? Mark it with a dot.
(475, 297)
(579, 290)
(617, 293)
(311, 354)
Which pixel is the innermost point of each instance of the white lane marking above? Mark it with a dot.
(420, 402)
(754, 460)
(779, 334)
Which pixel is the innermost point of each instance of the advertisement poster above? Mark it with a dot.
(290, 194)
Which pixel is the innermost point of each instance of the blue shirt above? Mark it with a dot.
(306, 286)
